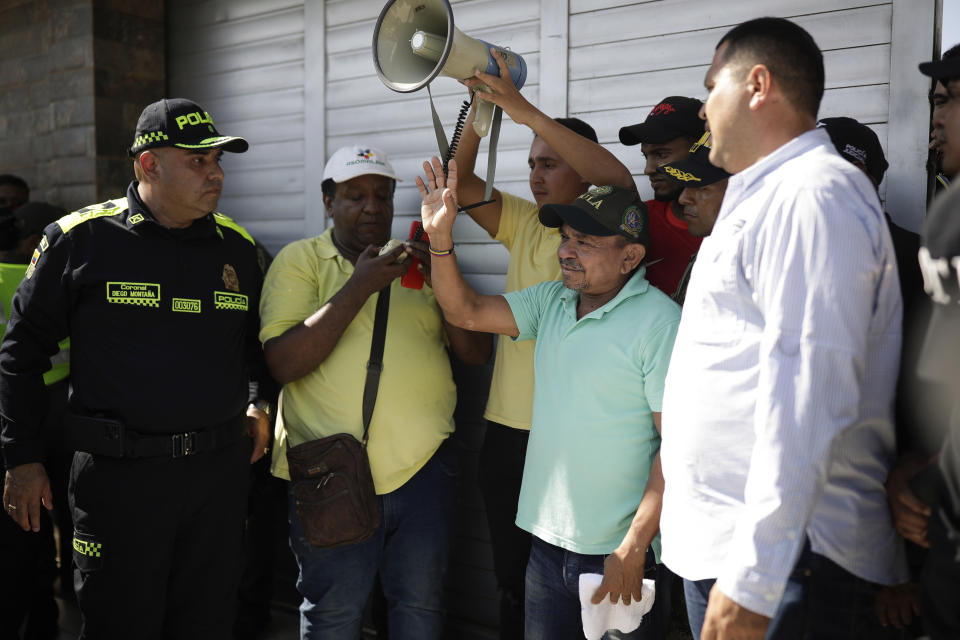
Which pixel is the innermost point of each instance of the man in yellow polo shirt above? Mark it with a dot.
(317, 322)
(564, 161)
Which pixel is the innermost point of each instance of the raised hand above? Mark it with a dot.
(438, 207)
(501, 91)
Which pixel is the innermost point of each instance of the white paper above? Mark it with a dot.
(599, 618)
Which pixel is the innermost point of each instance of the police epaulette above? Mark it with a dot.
(108, 208)
(224, 221)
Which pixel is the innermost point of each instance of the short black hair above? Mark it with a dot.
(788, 51)
(578, 126)
(15, 181)
(328, 187)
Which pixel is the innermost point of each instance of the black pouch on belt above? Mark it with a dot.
(99, 436)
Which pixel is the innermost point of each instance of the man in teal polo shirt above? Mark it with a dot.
(591, 484)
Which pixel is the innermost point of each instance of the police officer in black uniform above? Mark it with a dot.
(159, 295)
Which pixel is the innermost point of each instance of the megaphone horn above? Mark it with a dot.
(414, 41)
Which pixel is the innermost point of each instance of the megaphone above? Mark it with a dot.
(415, 41)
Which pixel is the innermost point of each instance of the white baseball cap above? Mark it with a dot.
(357, 160)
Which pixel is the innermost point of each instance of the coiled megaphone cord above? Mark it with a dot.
(457, 131)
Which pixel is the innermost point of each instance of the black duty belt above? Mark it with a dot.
(113, 438)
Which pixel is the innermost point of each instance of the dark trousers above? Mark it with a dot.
(500, 475)
(157, 543)
(410, 550)
(940, 579)
(27, 572)
(822, 601)
(553, 595)
(266, 525)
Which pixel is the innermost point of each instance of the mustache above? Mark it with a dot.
(570, 264)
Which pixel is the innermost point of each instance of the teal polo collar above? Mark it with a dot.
(635, 286)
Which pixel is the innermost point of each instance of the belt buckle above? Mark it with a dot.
(183, 444)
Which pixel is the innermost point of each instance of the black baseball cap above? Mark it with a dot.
(857, 143)
(181, 123)
(674, 117)
(948, 66)
(603, 211)
(695, 170)
(939, 257)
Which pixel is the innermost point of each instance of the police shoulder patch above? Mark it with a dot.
(108, 208)
(224, 221)
(33, 264)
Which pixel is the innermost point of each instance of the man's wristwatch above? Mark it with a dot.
(263, 405)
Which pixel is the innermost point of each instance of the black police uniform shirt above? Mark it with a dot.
(163, 323)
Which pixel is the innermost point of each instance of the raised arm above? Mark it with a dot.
(462, 305)
(593, 162)
(470, 185)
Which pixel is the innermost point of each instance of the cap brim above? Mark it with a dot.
(227, 143)
(692, 172)
(554, 215)
(650, 133)
(938, 356)
(941, 68)
(344, 176)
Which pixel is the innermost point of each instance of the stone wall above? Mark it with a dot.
(75, 76)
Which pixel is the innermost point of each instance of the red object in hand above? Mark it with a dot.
(413, 278)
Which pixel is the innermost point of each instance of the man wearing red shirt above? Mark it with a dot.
(666, 136)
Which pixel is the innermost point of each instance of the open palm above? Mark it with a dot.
(438, 196)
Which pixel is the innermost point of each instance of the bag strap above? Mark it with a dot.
(375, 363)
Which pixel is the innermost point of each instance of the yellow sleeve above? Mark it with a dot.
(513, 210)
(290, 291)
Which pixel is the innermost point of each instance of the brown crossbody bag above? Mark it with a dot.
(330, 478)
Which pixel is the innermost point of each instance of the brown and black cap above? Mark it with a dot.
(603, 211)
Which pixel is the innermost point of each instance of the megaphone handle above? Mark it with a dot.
(482, 118)
(492, 153)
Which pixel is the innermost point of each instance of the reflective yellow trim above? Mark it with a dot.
(224, 221)
(108, 208)
(85, 548)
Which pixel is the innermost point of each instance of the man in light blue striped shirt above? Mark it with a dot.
(790, 336)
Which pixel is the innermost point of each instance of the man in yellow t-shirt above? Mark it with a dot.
(565, 159)
(317, 313)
